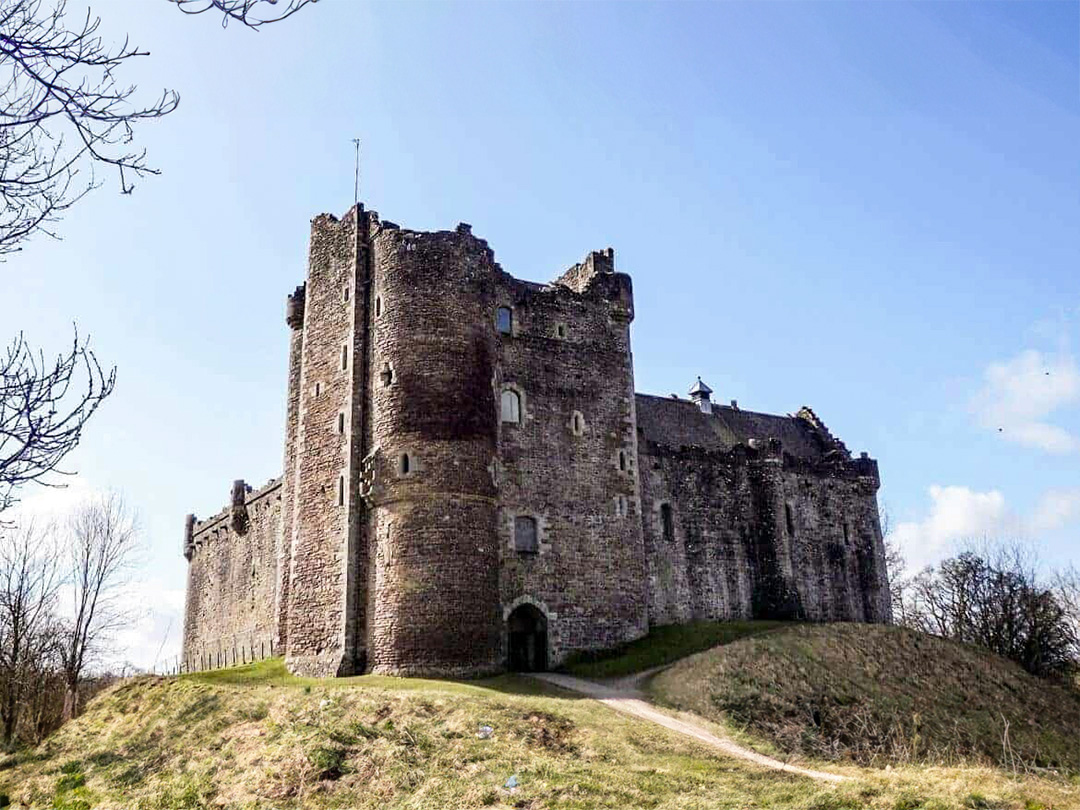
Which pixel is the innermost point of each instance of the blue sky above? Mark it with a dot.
(869, 208)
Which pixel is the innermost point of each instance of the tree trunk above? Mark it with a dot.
(11, 715)
(71, 701)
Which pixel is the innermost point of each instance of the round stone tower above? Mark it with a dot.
(434, 601)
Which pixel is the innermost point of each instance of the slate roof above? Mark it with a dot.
(678, 422)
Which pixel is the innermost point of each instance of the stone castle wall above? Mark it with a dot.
(568, 356)
(232, 582)
(754, 531)
(434, 600)
(389, 545)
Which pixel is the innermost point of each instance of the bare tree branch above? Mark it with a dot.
(252, 13)
(44, 408)
(62, 113)
(102, 546)
(30, 575)
(992, 595)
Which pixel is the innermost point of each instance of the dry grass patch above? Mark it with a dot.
(881, 695)
(241, 740)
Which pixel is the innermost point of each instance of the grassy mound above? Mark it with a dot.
(259, 739)
(664, 645)
(877, 695)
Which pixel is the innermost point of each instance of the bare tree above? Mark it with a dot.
(43, 410)
(102, 546)
(994, 598)
(30, 575)
(62, 113)
(895, 565)
(252, 13)
(1068, 590)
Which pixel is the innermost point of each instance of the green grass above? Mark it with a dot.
(880, 695)
(255, 738)
(664, 645)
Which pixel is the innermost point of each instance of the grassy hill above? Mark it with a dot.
(877, 695)
(256, 737)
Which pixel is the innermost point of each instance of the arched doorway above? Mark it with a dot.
(527, 639)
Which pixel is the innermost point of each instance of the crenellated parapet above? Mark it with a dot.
(235, 518)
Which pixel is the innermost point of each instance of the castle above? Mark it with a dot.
(471, 482)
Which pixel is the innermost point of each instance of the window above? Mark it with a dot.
(560, 331)
(789, 515)
(622, 460)
(387, 375)
(341, 423)
(847, 534)
(511, 407)
(504, 320)
(577, 423)
(341, 490)
(344, 358)
(406, 464)
(525, 534)
(345, 294)
(378, 306)
(622, 506)
(667, 522)
(318, 388)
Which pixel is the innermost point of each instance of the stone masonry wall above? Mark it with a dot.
(434, 601)
(324, 554)
(732, 552)
(389, 544)
(231, 583)
(569, 356)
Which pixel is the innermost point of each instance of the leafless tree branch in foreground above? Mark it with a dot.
(102, 547)
(252, 13)
(63, 112)
(43, 410)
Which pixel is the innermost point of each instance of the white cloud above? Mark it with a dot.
(1057, 508)
(956, 513)
(959, 514)
(154, 635)
(1020, 394)
(42, 505)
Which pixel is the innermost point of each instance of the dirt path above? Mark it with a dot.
(625, 696)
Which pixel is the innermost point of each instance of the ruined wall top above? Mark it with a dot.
(677, 424)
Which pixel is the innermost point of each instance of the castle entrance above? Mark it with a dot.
(527, 631)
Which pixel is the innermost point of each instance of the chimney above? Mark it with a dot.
(699, 394)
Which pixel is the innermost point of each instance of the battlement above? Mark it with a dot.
(243, 501)
(579, 276)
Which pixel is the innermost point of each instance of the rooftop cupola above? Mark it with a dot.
(700, 393)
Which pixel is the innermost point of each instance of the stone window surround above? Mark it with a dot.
(511, 330)
(543, 534)
(578, 418)
(661, 528)
(514, 387)
(529, 523)
(413, 462)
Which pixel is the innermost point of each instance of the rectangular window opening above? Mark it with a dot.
(525, 538)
